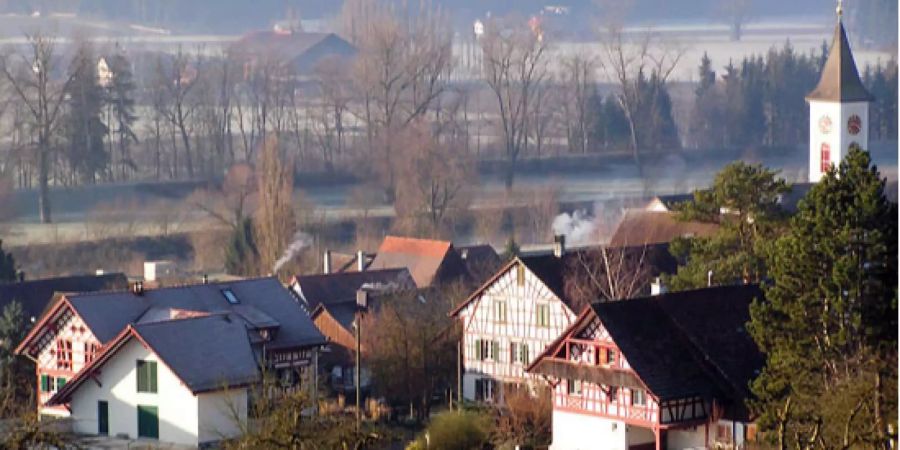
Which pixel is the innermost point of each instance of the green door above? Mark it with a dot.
(148, 422)
(102, 417)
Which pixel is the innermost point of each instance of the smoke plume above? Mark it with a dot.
(578, 228)
(300, 241)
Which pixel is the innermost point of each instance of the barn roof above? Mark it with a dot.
(429, 261)
(639, 227)
(301, 49)
(36, 295)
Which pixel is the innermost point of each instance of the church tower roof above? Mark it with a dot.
(840, 80)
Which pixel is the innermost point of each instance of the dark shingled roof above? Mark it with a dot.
(341, 287)
(301, 49)
(688, 343)
(260, 299)
(840, 80)
(206, 353)
(35, 295)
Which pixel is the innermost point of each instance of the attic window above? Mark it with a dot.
(229, 295)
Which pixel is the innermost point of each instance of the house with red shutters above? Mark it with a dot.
(77, 328)
(521, 309)
(670, 371)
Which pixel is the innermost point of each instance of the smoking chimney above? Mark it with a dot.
(360, 260)
(326, 262)
(362, 298)
(559, 245)
(657, 287)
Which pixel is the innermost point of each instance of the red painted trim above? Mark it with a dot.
(39, 327)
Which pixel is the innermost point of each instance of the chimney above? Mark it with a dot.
(137, 288)
(326, 262)
(559, 245)
(205, 278)
(99, 272)
(362, 298)
(21, 275)
(360, 260)
(657, 287)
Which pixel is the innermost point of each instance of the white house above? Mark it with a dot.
(181, 381)
(670, 371)
(79, 328)
(515, 314)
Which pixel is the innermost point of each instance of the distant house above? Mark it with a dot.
(182, 381)
(642, 227)
(667, 203)
(512, 317)
(664, 372)
(300, 50)
(788, 201)
(36, 295)
(334, 303)
(429, 261)
(79, 328)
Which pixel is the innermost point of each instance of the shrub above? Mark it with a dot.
(454, 431)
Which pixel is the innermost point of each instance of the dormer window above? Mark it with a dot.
(229, 295)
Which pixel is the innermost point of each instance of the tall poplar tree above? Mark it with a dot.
(828, 325)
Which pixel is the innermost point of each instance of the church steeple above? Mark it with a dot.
(840, 80)
(838, 107)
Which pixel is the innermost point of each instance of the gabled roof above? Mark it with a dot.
(301, 49)
(259, 300)
(428, 261)
(682, 344)
(36, 295)
(840, 80)
(639, 227)
(206, 353)
(341, 287)
(670, 201)
(553, 271)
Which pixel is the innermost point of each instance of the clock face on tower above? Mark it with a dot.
(854, 125)
(825, 124)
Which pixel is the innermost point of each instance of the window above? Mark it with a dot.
(520, 274)
(60, 382)
(573, 387)
(826, 157)
(613, 393)
(64, 354)
(47, 383)
(513, 352)
(146, 376)
(90, 352)
(523, 354)
(607, 356)
(638, 398)
(229, 295)
(102, 417)
(500, 311)
(485, 389)
(148, 421)
(543, 315)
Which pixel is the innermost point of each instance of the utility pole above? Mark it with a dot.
(459, 374)
(357, 375)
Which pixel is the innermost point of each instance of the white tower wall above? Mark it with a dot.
(837, 136)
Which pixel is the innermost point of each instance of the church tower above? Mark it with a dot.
(838, 108)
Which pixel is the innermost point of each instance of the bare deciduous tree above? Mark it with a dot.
(31, 78)
(275, 217)
(175, 82)
(607, 274)
(514, 64)
(579, 86)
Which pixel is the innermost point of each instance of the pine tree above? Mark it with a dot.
(828, 324)
(84, 125)
(743, 201)
(7, 266)
(120, 99)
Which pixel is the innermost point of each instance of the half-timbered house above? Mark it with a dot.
(513, 316)
(77, 327)
(668, 371)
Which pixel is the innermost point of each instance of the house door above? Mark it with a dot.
(148, 421)
(102, 417)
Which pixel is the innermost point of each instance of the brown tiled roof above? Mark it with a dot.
(840, 80)
(428, 260)
(639, 227)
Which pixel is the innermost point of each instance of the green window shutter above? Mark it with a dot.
(102, 417)
(45, 383)
(146, 376)
(495, 350)
(478, 354)
(141, 377)
(525, 359)
(152, 376)
(60, 382)
(148, 421)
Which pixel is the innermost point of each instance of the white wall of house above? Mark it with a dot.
(481, 322)
(573, 431)
(221, 413)
(116, 383)
(687, 439)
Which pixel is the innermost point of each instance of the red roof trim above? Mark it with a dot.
(484, 286)
(39, 327)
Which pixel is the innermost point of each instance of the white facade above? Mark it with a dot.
(184, 418)
(507, 313)
(833, 128)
